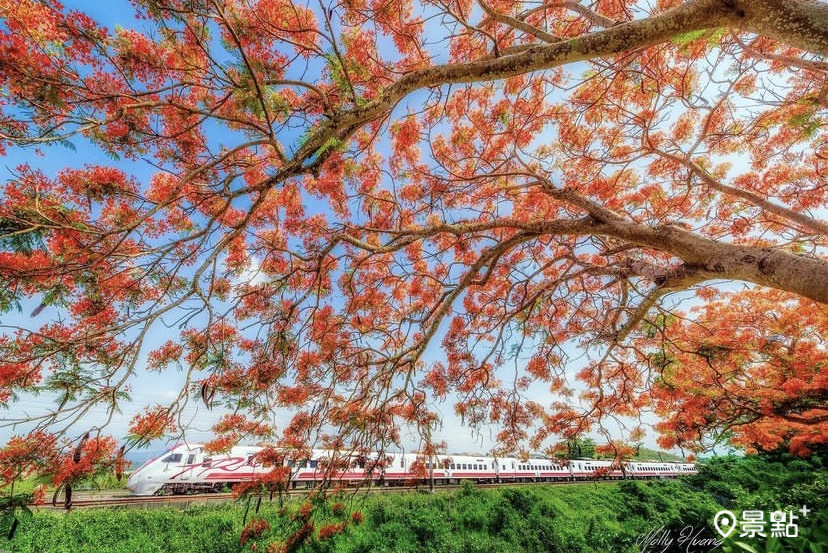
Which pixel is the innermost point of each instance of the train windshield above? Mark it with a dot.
(172, 458)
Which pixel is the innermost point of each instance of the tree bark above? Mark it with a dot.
(800, 23)
(711, 259)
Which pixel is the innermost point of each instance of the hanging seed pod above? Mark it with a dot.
(120, 463)
(55, 496)
(76, 456)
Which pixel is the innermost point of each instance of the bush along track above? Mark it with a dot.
(630, 516)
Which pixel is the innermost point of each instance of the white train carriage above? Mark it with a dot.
(345, 468)
(456, 468)
(533, 470)
(186, 468)
(685, 468)
(592, 468)
(648, 470)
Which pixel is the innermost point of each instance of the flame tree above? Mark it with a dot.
(349, 211)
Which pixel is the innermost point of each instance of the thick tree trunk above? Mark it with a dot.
(800, 23)
(710, 259)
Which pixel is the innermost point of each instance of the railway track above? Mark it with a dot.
(83, 500)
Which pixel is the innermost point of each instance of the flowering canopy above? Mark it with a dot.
(351, 210)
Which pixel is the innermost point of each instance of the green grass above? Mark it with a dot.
(167, 530)
(97, 482)
(584, 517)
(533, 518)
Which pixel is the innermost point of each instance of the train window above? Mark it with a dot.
(451, 466)
(206, 462)
(190, 458)
(402, 462)
(314, 463)
(172, 458)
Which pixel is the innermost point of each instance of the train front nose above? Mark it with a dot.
(142, 484)
(143, 481)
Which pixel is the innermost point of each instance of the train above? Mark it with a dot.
(187, 468)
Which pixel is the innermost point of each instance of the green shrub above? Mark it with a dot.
(533, 518)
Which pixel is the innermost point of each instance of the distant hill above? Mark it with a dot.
(138, 457)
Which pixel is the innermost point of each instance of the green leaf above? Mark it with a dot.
(745, 547)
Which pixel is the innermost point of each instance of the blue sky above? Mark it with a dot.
(151, 388)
